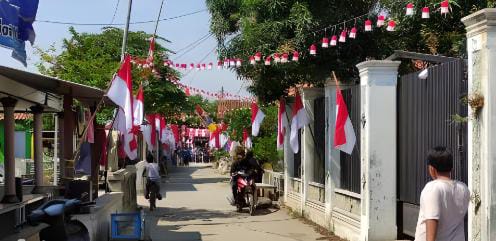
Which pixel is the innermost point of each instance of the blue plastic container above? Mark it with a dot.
(125, 226)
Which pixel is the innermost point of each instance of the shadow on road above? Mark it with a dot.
(193, 213)
(160, 230)
(181, 180)
(186, 214)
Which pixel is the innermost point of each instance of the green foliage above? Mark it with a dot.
(244, 27)
(269, 124)
(208, 106)
(189, 117)
(92, 59)
(439, 34)
(264, 149)
(238, 120)
(218, 154)
(192, 121)
(264, 145)
(48, 122)
(24, 125)
(281, 26)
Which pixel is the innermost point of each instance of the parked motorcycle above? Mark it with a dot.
(246, 196)
(57, 214)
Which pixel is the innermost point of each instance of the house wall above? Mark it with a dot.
(325, 204)
(28, 146)
(336, 210)
(481, 46)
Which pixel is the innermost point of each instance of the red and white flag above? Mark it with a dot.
(121, 89)
(282, 124)
(150, 133)
(138, 107)
(163, 125)
(247, 140)
(130, 144)
(215, 139)
(298, 121)
(120, 92)
(257, 117)
(157, 123)
(149, 59)
(223, 139)
(344, 135)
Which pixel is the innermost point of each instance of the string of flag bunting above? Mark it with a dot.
(340, 34)
(189, 90)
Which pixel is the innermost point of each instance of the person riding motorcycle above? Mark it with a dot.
(250, 166)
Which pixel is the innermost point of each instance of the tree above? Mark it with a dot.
(281, 26)
(444, 35)
(264, 145)
(93, 59)
(189, 117)
(243, 27)
(238, 120)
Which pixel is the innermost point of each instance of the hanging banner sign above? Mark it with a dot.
(16, 26)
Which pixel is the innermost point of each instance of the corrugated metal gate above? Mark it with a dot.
(350, 164)
(425, 119)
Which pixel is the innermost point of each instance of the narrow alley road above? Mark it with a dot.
(194, 207)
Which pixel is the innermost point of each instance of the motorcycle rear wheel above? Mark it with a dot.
(251, 204)
(239, 208)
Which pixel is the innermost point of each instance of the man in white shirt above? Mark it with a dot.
(443, 201)
(152, 177)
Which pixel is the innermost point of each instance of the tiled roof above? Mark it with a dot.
(19, 116)
(228, 105)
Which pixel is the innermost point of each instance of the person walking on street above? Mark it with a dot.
(152, 179)
(443, 201)
(186, 153)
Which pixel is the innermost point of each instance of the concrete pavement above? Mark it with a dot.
(194, 207)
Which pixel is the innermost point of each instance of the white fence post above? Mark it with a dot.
(332, 156)
(378, 79)
(288, 152)
(481, 48)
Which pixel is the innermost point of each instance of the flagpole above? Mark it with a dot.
(126, 30)
(100, 103)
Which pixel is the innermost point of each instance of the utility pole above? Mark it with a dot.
(126, 30)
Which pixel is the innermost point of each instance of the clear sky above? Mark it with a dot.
(180, 32)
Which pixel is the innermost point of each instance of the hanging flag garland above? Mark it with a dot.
(380, 21)
(340, 35)
(409, 9)
(425, 12)
(353, 33)
(189, 90)
(325, 42)
(391, 26)
(445, 7)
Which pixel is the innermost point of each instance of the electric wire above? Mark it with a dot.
(115, 11)
(192, 47)
(204, 57)
(119, 24)
(194, 42)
